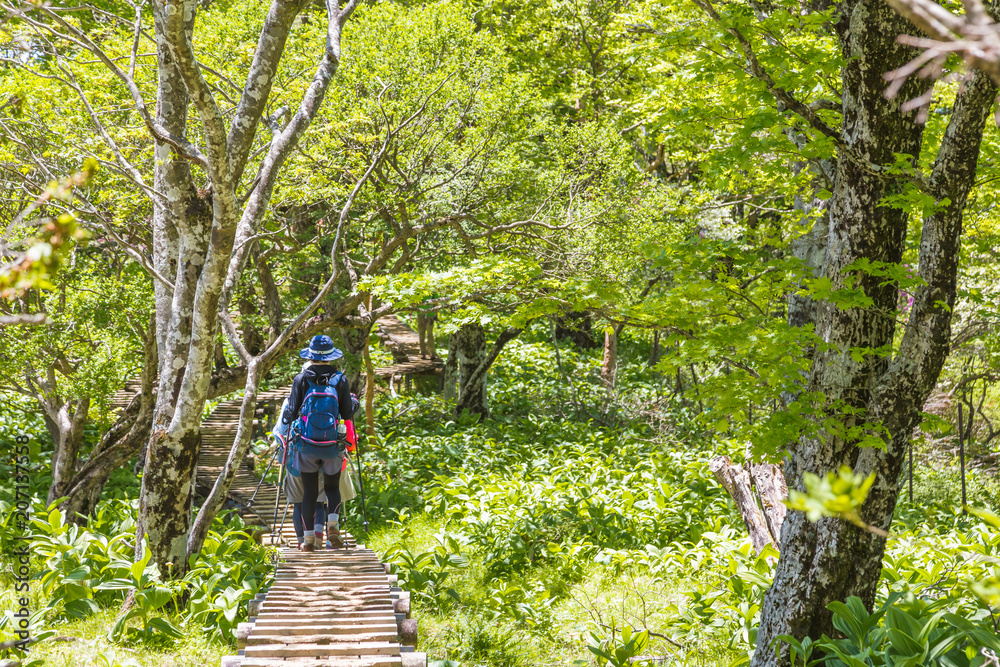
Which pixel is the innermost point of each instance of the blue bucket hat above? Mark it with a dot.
(321, 349)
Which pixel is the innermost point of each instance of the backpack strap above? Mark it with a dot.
(310, 383)
(329, 380)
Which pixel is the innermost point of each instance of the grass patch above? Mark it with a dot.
(84, 643)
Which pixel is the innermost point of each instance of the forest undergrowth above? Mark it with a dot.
(574, 523)
(553, 531)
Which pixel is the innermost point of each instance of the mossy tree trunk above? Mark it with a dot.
(831, 559)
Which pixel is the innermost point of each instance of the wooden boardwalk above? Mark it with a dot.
(217, 434)
(120, 399)
(404, 343)
(329, 608)
(333, 608)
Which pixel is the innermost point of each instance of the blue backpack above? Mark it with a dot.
(320, 413)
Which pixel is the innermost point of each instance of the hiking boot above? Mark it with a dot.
(336, 542)
(309, 547)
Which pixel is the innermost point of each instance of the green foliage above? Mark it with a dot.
(839, 494)
(622, 648)
(634, 170)
(9, 626)
(75, 562)
(424, 574)
(49, 249)
(229, 571)
(905, 631)
(86, 569)
(550, 495)
(148, 596)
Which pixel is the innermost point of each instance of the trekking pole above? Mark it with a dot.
(264, 476)
(361, 482)
(281, 485)
(283, 515)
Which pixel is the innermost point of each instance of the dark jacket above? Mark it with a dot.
(316, 374)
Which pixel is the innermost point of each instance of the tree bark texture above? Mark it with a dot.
(609, 363)
(470, 343)
(355, 343)
(769, 482)
(450, 379)
(65, 419)
(832, 559)
(472, 380)
(121, 442)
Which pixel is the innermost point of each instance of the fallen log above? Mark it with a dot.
(737, 481)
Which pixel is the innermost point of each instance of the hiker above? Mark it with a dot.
(425, 330)
(318, 405)
(293, 486)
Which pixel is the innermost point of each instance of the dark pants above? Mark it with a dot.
(320, 519)
(310, 491)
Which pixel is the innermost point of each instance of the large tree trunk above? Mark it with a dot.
(450, 373)
(180, 232)
(832, 559)
(470, 343)
(474, 365)
(65, 419)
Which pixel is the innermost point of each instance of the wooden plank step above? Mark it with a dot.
(326, 627)
(370, 661)
(326, 637)
(325, 615)
(354, 580)
(354, 649)
(374, 620)
(327, 602)
(346, 608)
(327, 595)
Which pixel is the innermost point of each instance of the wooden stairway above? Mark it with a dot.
(334, 608)
(329, 608)
(217, 434)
